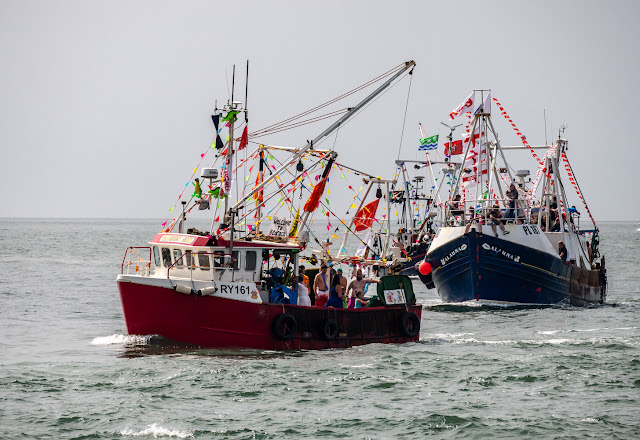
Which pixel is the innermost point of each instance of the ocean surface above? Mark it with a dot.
(68, 369)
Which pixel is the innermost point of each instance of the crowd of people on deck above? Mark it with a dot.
(514, 212)
(333, 291)
(326, 291)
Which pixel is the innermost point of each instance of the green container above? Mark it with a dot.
(399, 290)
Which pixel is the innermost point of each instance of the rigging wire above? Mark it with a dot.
(261, 133)
(405, 113)
(344, 95)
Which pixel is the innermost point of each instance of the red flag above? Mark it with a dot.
(244, 140)
(364, 217)
(314, 198)
(457, 148)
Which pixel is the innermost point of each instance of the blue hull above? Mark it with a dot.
(416, 254)
(481, 267)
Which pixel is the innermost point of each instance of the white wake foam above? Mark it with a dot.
(118, 340)
(157, 431)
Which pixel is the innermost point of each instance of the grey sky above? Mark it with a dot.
(105, 106)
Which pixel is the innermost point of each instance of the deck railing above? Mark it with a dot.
(142, 267)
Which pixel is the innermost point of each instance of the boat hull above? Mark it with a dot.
(476, 266)
(415, 254)
(211, 321)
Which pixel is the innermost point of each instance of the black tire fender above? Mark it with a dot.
(410, 324)
(284, 326)
(329, 330)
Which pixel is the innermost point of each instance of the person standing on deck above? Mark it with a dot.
(303, 292)
(321, 286)
(357, 286)
(301, 270)
(562, 251)
(512, 194)
(336, 295)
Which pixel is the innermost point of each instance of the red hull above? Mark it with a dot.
(211, 321)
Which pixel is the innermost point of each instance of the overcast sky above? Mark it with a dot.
(105, 106)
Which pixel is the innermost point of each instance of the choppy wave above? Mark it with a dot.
(157, 431)
(467, 338)
(478, 371)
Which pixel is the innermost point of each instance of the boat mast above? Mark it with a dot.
(229, 158)
(260, 178)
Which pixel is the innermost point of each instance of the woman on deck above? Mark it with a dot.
(335, 294)
(303, 292)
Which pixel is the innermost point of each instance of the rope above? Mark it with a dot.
(265, 132)
(344, 95)
(404, 119)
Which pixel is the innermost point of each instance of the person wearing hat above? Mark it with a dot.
(321, 286)
(495, 216)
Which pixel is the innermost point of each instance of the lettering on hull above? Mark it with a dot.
(495, 251)
(240, 291)
(455, 254)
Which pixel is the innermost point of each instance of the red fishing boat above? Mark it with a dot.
(236, 287)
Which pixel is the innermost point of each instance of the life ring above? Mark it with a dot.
(284, 326)
(329, 329)
(410, 324)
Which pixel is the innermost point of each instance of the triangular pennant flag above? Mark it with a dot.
(244, 140)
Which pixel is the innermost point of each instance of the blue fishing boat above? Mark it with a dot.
(510, 238)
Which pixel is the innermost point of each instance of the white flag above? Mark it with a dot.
(485, 107)
(465, 106)
(363, 248)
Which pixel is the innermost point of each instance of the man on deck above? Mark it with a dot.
(357, 286)
(562, 252)
(321, 286)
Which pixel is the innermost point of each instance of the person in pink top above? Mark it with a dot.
(357, 286)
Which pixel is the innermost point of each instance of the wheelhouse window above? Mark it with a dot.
(250, 259)
(218, 259)
(189, 260)
(166, 257)
(203, 260)
(177, 254)
(156, 256)
(236, 260)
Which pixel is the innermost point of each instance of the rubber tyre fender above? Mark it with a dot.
(284, 326)
(410, 324)
(329, 330)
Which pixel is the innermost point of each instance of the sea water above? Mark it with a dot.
(68, 369)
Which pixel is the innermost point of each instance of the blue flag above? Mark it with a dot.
(429, 143)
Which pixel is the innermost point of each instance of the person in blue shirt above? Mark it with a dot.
(336, 293)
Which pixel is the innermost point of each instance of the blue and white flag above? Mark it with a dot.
(429, 143)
